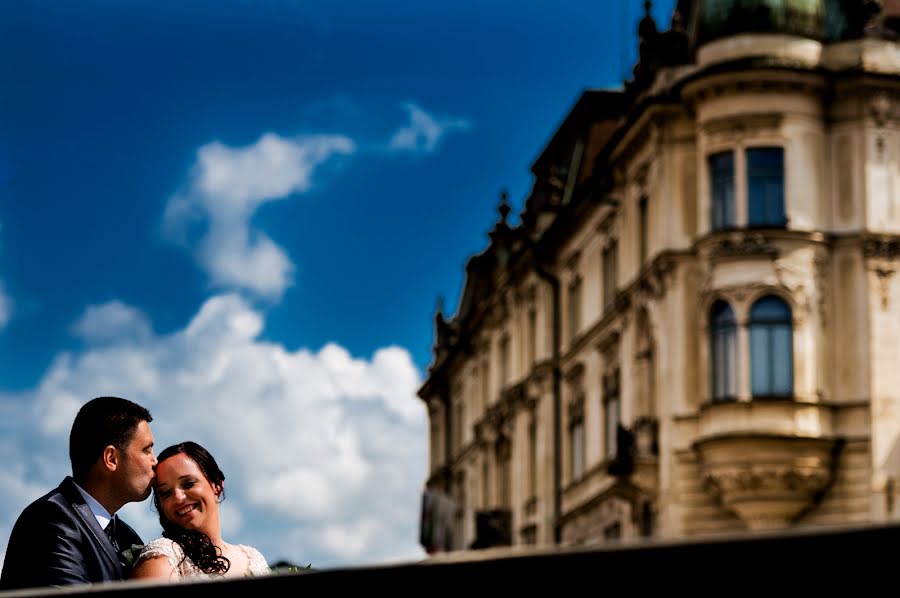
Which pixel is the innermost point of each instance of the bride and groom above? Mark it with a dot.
(72, 535)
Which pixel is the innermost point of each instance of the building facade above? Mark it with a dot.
(694, 328)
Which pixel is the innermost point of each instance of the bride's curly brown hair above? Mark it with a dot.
(196, 545)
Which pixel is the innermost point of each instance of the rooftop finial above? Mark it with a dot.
(647, 26)
(504, 208)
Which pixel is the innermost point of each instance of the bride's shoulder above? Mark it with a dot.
(161, 546)
(257, 562)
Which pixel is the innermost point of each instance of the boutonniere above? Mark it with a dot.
(132, 553)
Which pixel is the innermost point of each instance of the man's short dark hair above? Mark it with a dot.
(101, 422)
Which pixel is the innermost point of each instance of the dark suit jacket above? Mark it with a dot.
(58, 541)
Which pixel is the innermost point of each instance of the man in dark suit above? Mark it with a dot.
(71, 534)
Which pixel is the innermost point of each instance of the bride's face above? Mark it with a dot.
(186, 496)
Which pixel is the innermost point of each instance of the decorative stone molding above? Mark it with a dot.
(608, 347)
(657, 279)
(572, 261)
(880, 108)
(735, 127)
(767, 480)
(883, 287)
(884, 248)
(574, 374)
(743, 244)
(881, 255)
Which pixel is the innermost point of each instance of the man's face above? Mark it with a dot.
(137, 464)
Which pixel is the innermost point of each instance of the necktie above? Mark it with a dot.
(111, 532)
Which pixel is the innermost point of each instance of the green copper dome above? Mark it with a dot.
(714, 19)
(824, 20)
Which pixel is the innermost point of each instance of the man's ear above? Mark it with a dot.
(110, 457)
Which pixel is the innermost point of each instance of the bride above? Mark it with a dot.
(188, 489)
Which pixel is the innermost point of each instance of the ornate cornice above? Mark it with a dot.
(743, 244)
(881, 247)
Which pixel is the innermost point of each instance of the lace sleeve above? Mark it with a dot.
(162, 547)
(258, 564)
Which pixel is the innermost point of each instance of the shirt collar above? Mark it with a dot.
(102, 515)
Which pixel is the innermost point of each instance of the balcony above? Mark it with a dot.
(767, 461)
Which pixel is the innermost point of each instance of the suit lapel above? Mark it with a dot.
(83, 511)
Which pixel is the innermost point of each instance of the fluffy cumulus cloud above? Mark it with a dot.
(227, 186)
(424, 131)
(324, 453)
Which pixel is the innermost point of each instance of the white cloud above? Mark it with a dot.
(226, 187)
(424, 131)
(324, 453)
(112, 322)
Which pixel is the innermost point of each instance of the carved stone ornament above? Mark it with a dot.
(880, 108)
(655, 283)
(881, 254)
(883, 276)
(885, 248)
(767, 481)
(740, 244)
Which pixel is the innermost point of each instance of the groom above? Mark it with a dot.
(71, 534)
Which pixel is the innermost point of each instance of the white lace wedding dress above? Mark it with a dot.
(185, 567)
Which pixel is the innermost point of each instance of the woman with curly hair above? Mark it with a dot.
(187, 491)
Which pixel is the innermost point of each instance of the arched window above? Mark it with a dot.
(771, 348)
(723, 350)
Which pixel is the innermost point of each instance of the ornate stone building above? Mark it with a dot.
(695, 326)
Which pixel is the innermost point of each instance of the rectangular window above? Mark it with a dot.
(574, 308)
(504, 361)
(504, 482)
(576, 446)
(435, 441)
(721, 177)
(765, 187)
(457, 423)
(611, 412)
(609, 275)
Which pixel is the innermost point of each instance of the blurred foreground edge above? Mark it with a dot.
(857, 557)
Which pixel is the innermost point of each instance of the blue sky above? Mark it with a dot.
(241, 214)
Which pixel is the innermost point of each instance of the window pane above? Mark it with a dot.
(771, 309)
(760, 375)
(771, 347)
(765, 186)
(782, 359)
(730, 369)
(721, 173)
(612, 421)
(577, 440)
(609, 275)
(723, 344)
